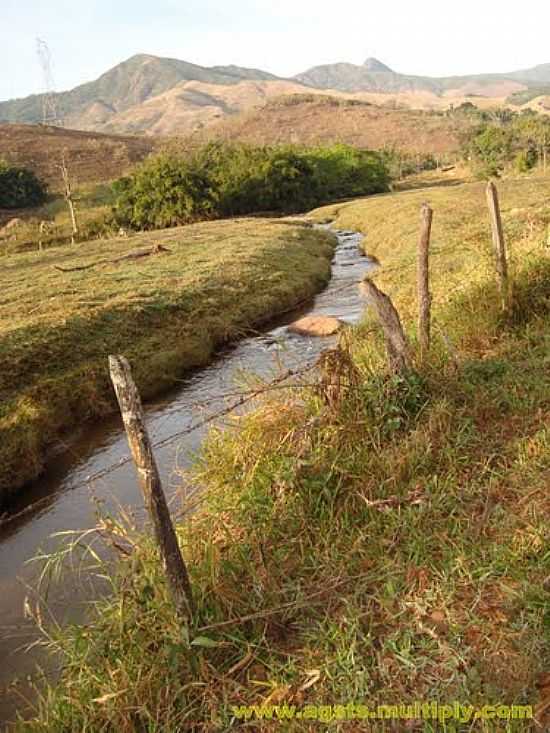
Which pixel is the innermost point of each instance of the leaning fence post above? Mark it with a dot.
(498, 242)
(396, 342)
(151, 487)
(424, 297)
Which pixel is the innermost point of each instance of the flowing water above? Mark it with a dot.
(65, 497)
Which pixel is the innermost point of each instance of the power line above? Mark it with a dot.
(50, 114)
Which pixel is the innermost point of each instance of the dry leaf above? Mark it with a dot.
(313, 676)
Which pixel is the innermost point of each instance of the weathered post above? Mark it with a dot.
(498, 242)
(396, 341)
(424, 296)
(151, 487)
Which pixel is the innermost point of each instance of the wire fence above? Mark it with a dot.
(244, 397)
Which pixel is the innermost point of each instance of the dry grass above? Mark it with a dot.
(317, 122)
(461, 252)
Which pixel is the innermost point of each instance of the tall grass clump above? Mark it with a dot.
(221, 180)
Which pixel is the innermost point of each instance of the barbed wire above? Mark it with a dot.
(245, 396)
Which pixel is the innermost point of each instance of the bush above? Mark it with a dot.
(491, 149)
(221, 180)
(506, 141)
(19, 188)
(402, 164)
(525, 160)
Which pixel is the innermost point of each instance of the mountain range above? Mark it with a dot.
(153, 95)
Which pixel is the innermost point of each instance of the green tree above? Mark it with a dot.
(230, 180)
(490, 149)
(19, 187)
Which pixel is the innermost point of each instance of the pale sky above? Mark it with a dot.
(285, 37)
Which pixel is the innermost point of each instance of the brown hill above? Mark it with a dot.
(311, 119)
(93, 157)
(192, 105)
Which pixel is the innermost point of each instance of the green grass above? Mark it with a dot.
(166, 312)
(389, 544)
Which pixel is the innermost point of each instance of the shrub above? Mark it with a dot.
(221, 180)
(508, 140)
(525, 160)
(19, 187)
(162, 192)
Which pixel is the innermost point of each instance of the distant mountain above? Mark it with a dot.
(148, 94)
(374, 76)
(130, 83)
(371, 77)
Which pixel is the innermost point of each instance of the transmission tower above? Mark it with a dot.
(49, 102)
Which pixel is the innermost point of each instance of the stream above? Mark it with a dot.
(65, 497)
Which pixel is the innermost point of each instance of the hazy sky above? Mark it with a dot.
(282, 36)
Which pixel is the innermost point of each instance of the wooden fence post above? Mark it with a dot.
(396, 342)
(151, 487)
(498, 242)
(424, 297)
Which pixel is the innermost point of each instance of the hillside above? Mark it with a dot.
(149, 94)
(313, 119)
(374, 76)
(192, 105)
(93, 157)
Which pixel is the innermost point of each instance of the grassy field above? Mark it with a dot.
(384, 546)
(461, 251)
(166, 312)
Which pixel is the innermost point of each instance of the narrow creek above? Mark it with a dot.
(63, 498)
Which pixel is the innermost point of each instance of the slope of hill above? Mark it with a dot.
(93, 157)
(314, 119)
(192, 105)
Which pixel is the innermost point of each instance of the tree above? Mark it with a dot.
(69, 195)
(20, 188)
(491, 149)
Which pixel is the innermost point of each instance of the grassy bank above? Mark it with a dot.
(385, 546)
(461, 251)
(166, 312)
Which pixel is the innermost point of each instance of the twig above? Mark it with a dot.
(136, 254)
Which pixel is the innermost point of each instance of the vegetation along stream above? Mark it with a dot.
(66, 497)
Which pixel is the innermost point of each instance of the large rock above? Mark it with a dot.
(316, 326)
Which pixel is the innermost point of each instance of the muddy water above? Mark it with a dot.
(63, 498)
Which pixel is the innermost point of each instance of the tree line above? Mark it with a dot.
(224, 180)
